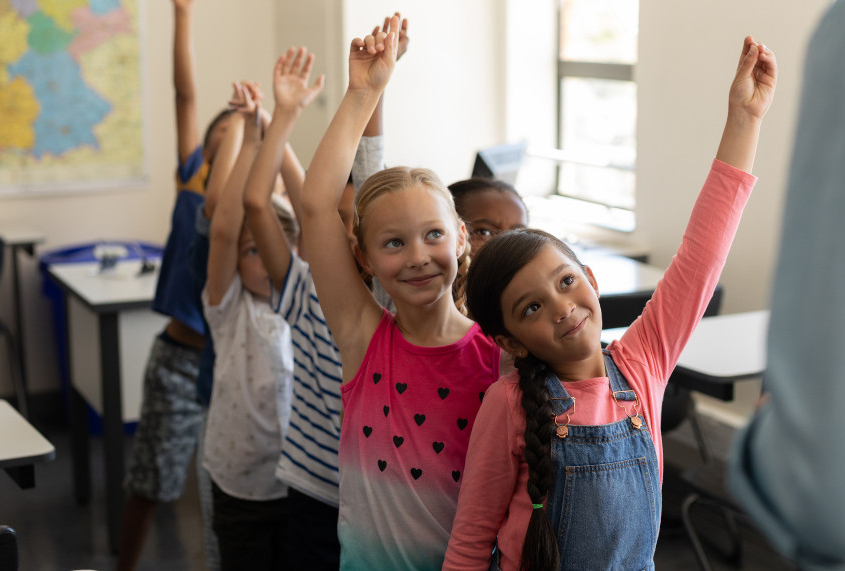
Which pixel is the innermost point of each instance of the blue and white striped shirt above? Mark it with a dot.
(308, 461)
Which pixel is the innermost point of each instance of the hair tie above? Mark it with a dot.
(537, 506)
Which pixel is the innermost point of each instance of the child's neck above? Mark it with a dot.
(580, 370)
(433, 325)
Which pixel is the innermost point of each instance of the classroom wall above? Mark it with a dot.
(477, 73)
(232, 43)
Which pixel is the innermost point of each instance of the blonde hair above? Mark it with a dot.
(400, 178)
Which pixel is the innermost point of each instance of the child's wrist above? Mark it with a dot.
(364, 94)
(287, 110)
(742, 119)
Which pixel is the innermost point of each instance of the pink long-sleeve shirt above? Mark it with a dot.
(494, 501)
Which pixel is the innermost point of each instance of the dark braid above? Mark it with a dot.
(539, 551)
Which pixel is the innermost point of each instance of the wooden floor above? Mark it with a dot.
(54, 533)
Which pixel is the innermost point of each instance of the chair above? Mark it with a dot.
(8, 549)
(13, 355)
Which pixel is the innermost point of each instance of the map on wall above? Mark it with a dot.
(70, 95)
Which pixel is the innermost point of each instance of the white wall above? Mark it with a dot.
(688, 55)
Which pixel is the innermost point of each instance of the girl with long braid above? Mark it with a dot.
(564, 466)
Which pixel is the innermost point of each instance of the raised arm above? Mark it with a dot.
(293, 94)
(229, 215)
(375, 125)
(224, 160)
(184, 80)
(350, 310)
(750, 97)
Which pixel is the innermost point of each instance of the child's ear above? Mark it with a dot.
(511, 346)
(592, 279)
(462, 238)
(361, 258)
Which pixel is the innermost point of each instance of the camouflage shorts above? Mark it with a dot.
(171, 418)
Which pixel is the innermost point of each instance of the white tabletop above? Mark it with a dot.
(119, 285)
(618, 275)
(21, 236)
(20, 442)
(731, 346)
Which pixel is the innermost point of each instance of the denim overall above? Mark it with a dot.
(605, 501)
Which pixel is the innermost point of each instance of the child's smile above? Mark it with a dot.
(412, 243)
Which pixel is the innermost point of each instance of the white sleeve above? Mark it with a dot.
(369, 159)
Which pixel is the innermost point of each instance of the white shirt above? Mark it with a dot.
(251, 398)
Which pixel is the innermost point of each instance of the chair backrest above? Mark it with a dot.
(8, 549)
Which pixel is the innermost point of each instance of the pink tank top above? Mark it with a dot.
(408, 414)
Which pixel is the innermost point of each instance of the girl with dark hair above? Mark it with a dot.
(488, 207)
(565, 461)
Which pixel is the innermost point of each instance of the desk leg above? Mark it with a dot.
(20, 391)
(80, 443)
(112, 423)
(80, 447)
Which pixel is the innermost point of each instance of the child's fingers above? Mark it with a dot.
(318, 84)
(747, 42)
(306, 67)
(379, 41)
(370, 44)
(297, 60)
(287, 62)
(357, 45)
(748, 62)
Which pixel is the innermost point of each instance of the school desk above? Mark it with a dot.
(21, 446)
(110, 329)
(722, 350)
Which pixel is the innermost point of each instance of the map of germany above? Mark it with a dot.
(70, 94)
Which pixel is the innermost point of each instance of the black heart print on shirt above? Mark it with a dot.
(419, 419)
(443, 392)
(462, 423)
(401, 387)
(368, 430)
(376, 378)
(416, 473)
(397, 441)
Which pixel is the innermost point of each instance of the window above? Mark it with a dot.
(597, 106)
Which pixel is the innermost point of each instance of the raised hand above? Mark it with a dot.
(290, 79)
(753, 88)
(245, 97)
(403, 34)
(372, 59)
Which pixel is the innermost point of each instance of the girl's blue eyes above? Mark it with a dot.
(431, 235)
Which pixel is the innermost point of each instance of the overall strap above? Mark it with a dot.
(561, 401)
(618, 384)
